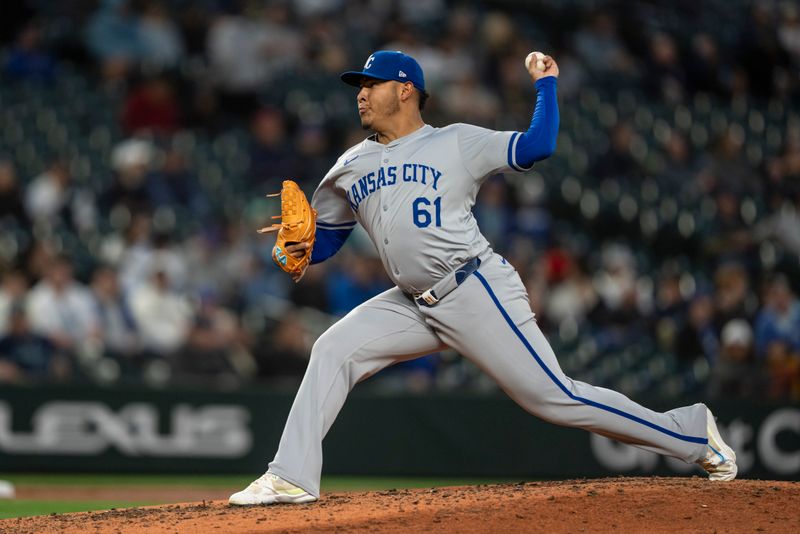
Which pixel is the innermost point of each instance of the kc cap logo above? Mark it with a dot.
(388, 65)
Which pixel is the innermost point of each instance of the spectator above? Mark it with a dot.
(130, 160)
(425, 14)
(62, 309)
(147, 253)
(161, 40)
(698, 337)
(287, 355)
(113, 38)
(498, 35)
(151, 108)
(259, 282)
(705, 71)
(736, 375)
(164, 317)
(622, 306)
(494, 213)
(789, 31)
(760, 51)
(779, 320)
(28, 357)
(600, 47)
(311, 145)
(314, 291)
(174, 185)
(618, 161)
(215, 349)
(12, 207)
(118, 326)
(727, 236)
(222, 262)
(53, 200)
(271, 156)
(728, 164)
(783, 172)
(27, 60)
(783, 370)
(361, 279)
(13, 289)
(201, 109)
(677, 176)
(733, 298)
(470, 100)
(194, 21)
(48, 193)
(38, 259)
(665, 78)
(570, 293)
(128, 249)
(245, 53)
(430, 58)
(670, 306)
(456, 58)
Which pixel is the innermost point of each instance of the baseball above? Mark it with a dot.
(539, 60)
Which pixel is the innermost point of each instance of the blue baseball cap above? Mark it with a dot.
(387, 65)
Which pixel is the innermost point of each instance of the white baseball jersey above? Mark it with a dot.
(414, 197)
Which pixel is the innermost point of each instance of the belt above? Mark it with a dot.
(440, 289)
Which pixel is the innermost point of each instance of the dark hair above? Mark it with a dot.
(423, 98)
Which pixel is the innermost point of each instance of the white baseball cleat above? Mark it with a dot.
(270, 489)
(720, 460)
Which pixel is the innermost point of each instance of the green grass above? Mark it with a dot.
(329, 482)
(91, 480)
(24, 507)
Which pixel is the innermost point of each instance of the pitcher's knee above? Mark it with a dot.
(324, 348)
(328, 352)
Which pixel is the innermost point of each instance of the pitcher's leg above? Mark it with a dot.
(382, 331)
(495, 329)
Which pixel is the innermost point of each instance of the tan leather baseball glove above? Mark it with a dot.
(298, 225)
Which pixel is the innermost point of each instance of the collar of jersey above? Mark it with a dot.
(401, 140)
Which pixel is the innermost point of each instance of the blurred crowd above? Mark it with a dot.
(660, 245)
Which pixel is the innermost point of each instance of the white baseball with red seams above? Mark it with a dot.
(539, 57)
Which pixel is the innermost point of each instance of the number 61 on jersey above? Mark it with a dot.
(422, 212)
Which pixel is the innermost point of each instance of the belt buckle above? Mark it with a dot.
(429, 297)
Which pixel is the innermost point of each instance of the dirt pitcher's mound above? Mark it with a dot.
(621, 504)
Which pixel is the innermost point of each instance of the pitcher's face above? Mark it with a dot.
(378, 103)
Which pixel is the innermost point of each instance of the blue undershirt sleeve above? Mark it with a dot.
(539, 142)
(327, 242)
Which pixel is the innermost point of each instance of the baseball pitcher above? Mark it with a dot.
(412, 187)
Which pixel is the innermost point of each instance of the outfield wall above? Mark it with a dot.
(112, 430)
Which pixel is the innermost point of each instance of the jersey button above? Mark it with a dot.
(396, 270)
(385, 207)
(385, 241)
(386, 161)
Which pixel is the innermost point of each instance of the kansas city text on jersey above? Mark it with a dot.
(387, 176)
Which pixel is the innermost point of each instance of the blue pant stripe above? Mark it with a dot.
(563, 388)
